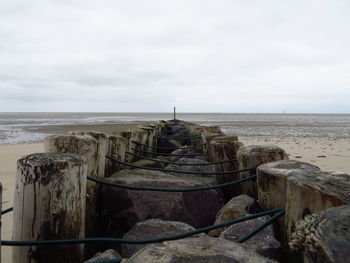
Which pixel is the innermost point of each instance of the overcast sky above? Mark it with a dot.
(202, 56)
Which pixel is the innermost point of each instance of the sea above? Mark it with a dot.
(18, 128)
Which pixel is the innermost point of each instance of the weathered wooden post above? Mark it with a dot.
(140, 136)
(49, 203)
(253, 156)
(312, 192)
(101, 138)
(225, 148)
(324, 237)
(272, 188)
(116, 148)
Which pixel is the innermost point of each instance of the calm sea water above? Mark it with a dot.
(15, 127)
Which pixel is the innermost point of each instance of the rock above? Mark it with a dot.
(263, 242)
(225, 148)
(324, 237)
(272, 187)
(237, 207)
(127, 207)
(253, 156)
(196, 168)
(180, 152)
(102, 257)
(173, 129)
(148, 163)
(150, 229)
(312, 192)
(167, 144)
(197, 250)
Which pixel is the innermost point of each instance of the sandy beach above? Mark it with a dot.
(327, 153)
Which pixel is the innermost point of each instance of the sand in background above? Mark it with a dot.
(329, 154)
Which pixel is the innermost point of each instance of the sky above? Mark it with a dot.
(268, 56)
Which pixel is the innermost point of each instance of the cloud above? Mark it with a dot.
(203, 56)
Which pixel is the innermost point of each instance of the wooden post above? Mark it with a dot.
(49, 203)
(101, 138)
(253, 156)
(312, 192)
(116, 148)
(272, 188)
(225, 148)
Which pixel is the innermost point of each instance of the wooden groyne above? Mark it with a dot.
(92, 192)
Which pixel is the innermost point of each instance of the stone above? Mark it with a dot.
(263, 242)
(324, 237)
(148, 163)
(106, 255)
(180, 152)
(124, 208)
(253, 156)
(312, 192)
(197, 250)
(151, 229)
(196, 168)
(237, 207)
(272, 187)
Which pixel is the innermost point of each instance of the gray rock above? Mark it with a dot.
(237, 207)
(150, 229)
(197, 250)
(107, 255)
(196, 168)
(125, 207)
(148, 163)
(263, 242)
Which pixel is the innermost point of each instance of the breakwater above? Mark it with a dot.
(55, 200)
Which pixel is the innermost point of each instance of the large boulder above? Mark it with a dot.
(197, 250)
(150, 229)
(237, 207)
(263, 242)
(148, 163)
(196, 168)
(124, 208)
(104, 256)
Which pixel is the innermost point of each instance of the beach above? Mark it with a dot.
(330, 154)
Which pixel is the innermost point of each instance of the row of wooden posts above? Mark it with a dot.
(54, 200)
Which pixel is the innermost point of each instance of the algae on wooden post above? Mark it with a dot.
(272, 188)
(49, 203)
(324, 237)
(312, 192)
